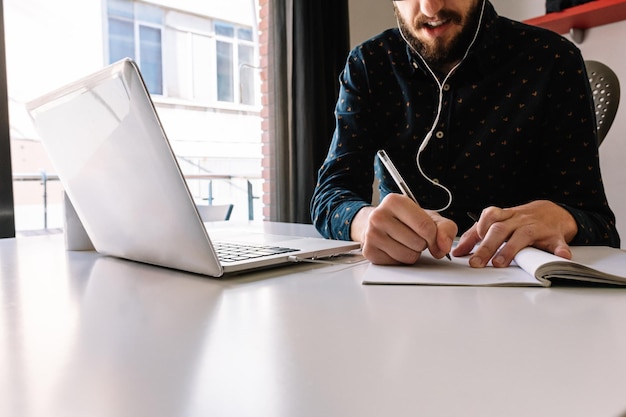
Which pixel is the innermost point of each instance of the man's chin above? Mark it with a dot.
(434, 53)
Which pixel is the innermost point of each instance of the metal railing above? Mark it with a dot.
(212, 177)
(43, 177)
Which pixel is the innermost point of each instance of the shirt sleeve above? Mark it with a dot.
(593, 229)
(573, 154)
(345, 179)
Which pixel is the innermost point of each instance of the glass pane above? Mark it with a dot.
(120, 8)
(244, 34)
(121, 40)
(225, 90)
(223, 29)
(150, 62)
(246, 74)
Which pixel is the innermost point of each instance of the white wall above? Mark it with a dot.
(520, 10)
(368, 17)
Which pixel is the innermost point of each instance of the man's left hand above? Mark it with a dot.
(502, 232)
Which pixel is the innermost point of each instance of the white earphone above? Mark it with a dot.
(440, 84)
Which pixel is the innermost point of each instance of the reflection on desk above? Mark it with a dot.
(87, 335)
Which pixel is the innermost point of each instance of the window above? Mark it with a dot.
(175, 45)
(235, 64)
(204, 60)
(225, 72)
(135, 31)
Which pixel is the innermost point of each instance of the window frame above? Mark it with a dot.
(138, 22)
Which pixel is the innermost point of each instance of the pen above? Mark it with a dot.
(402, 185)
(473, 216)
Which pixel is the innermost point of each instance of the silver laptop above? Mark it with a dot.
(105, 140)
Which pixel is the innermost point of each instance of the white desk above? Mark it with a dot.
(85, 335)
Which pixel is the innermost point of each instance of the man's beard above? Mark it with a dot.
(440, 54)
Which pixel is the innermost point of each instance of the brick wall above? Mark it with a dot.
(266, 135)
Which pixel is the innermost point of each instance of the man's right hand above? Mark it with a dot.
(399, 230)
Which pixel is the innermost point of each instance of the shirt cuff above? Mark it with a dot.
(342, 218)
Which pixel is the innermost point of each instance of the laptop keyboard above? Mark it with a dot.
(231, 252)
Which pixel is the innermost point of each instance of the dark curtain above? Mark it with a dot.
(7, 217)
(309, 43)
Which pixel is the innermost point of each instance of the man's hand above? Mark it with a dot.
(542, 224)
(398, 230)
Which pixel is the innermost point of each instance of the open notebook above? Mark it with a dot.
(105, 140)
(532, 267)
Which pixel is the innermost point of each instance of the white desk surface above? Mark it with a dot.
(86, 335)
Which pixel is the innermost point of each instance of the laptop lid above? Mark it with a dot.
(104, 138)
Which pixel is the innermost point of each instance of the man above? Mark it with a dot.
(480, 114)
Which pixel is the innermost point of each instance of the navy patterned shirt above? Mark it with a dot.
(517, 125)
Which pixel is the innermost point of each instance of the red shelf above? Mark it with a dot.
(585, 16)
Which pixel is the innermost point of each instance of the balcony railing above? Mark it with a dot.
(45, 178)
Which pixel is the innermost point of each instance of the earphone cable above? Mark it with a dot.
(440, 85)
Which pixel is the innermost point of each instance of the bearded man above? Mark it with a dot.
(480, 114)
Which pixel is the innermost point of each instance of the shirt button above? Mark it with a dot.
(439, 134)
(446, 87)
